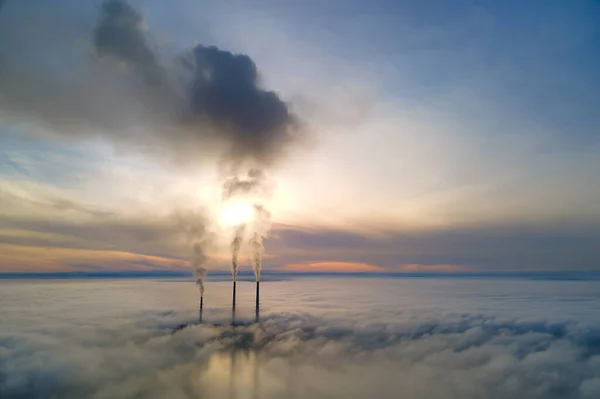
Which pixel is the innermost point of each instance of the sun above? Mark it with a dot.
(236, 214)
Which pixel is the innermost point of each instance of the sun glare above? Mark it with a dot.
(236, 214)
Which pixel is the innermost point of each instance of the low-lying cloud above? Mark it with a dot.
(126, 353)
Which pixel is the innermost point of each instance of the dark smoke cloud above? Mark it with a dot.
(207, 101)
(223, 97)
(225, 89)
(255, 183)
(120, 34)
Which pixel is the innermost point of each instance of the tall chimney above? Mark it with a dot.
(233, 304)
(257, 301)
(201, 306)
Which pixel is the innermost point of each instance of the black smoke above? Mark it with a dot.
(255, 183)
(103, 73)
(223, 98)
(226, 90)
(106, 76)
(120, 34)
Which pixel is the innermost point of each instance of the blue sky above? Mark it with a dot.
(461, 134)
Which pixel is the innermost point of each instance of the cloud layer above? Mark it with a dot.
(130, 351)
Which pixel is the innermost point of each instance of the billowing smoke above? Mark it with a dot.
(187, 108)
(221, 101)
(120, 34)
(225, 91)
(261, 226)
(236, 244)
(254, 184)
(198, 261)
(121, 85)
(253, 187)
(194, 226)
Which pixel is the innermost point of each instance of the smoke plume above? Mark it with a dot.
(202, 102)
(260, 229)
(236, 244)
(253, 187)
(194, 227)
(225, 90)
(120, 34)
(205, 101)
(198, 260)
(223, 100)
(254, 183)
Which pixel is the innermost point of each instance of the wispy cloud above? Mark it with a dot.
(333, 267)
(411, 268)
(30, 259)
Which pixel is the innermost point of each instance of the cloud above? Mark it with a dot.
(333, 267)
(111, 241)
(63, 204)
(508, 247)
(102, 233)
(15, 258)
(433, 268)
(497, 248)
(127, 352)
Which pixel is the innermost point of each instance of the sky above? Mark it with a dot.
(428, 135)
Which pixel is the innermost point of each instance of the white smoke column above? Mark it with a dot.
(236, 243)
(260, 229)
(261, 226)
(198, 269)
(194, 227)
(252, 185)
(234, 186)
(200, 276)
(256, 243)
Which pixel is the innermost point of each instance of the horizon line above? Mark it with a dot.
(130, 274)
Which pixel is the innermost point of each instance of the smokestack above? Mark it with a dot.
(201, 306)
(257, 301)
(233, 304)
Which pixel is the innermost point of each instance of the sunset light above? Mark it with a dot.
(300, 199)
(236, 214)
